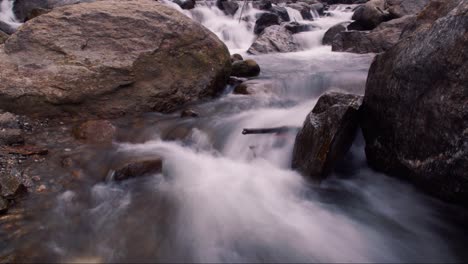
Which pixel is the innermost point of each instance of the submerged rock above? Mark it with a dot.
(257, 86)
(245, 68)
(90, 59)
(415, 114)
(11, 187)
(274, 39)
(137, 168)
(189, 113)
(95, 131)
(326, 135)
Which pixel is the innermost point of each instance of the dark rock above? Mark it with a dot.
(11, 187)
(137, 168)
(24, 8)
(304, 9)
(274, 39)
(189, 113)
(25, 150)
(265, 20)
(11, 136)
(265, 5)
(3, 206)
(246, 68)
(186, 4)
(254, 87)
(295, 27)
(326, 135)
(281, 12)
(6, 28)
(107, 73)
(356, 26)
(95, 131)
(371, 14)
(378, 40)
(236, 57)
(332, 32)
(229, 7)
(415, 114)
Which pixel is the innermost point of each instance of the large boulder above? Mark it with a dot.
(333, 32)
(327, 134)
(371, 14)
(400, 8)
(274, 39)
(108, 58)
(265, 20)
(378, 40)
(415, 112)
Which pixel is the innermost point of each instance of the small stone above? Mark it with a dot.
(36, 178)
(95, 131)
(11, 136)
(41, 188)
(189, 113)
(8, 120)
(236, 57)
(11, 187)
(246, 68)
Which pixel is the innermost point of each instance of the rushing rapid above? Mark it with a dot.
(227, 197)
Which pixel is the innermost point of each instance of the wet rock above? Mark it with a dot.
(265, 20)
(265, 5)
(245, 68)
(9, 120)
(234, 81)
(95, 131)
(319, 8)
(107, 69)
(24, 8)
(186, 4)
(228, 6)
(138, 168)
(3, 206)
(281, 12)
(11, 136)
(7, 29)
(274, 39)
(236, 57)
(304, 9)
(3, 37)
(333, 32)
(295, 27)
(254, 87)
(326, 135)
(378, 40)
(371, 14)
(400, 8)
(415, 114)
(189, 113)
(11, 187)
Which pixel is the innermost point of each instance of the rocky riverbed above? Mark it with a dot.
(121, 121)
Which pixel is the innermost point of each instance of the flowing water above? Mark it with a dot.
(6, 13)
(228, 197)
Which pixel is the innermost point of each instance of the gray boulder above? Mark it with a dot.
(415, 114)
(265, 20)
(90, 59)
(371, 14)
(274, 39)
(326, 135)
(333, 32)
(378, 40)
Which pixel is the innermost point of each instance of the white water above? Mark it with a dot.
(6, 13)
(227, 197)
